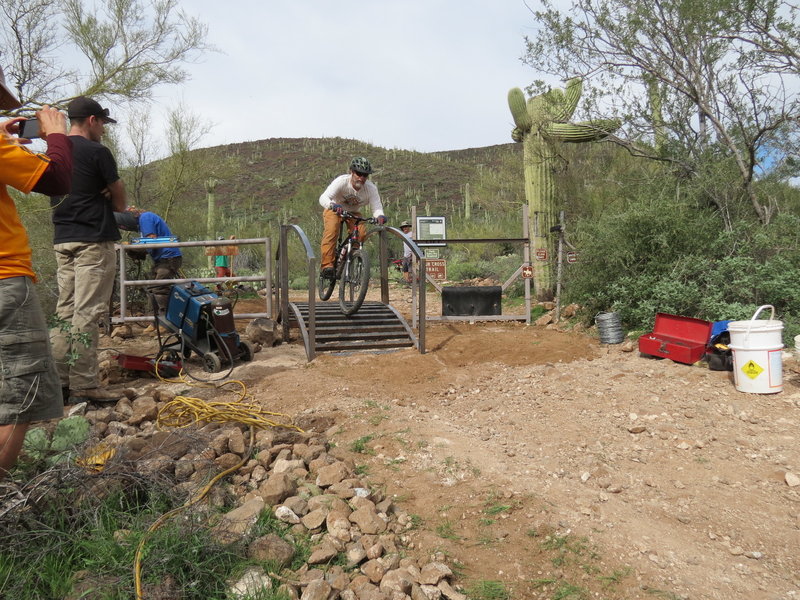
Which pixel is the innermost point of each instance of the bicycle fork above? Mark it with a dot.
(344, 262)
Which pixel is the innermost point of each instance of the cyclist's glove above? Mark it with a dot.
(337, 208)
(381, 220)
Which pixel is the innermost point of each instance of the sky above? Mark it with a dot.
(424, 75)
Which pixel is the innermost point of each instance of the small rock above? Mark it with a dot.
(791, 479)
(286, 514)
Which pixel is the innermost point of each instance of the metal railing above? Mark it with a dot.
(125, 283)
(310, 334)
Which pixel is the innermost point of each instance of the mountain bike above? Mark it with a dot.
(350, 267)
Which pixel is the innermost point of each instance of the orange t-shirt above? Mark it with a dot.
(21, 169)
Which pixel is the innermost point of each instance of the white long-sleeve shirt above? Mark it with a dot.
(340, 191)
(406, 247)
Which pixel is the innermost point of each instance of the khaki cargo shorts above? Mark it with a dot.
(29, 385)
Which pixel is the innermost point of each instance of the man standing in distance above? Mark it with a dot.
(348, 192)
(85, 232)
(29, 389)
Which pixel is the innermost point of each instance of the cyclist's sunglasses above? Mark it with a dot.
(360, 174)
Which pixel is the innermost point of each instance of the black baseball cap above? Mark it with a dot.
(83, 107)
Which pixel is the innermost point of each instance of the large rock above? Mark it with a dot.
(237, 523)
(271, 548)
(319, 589)
(368, 520)
(397, 580)
(323, 553)
(263, 331)
(331, 474)
(277, 488)
(434, 572)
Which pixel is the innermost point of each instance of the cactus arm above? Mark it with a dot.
(580, 132)
(519, 110)
(572, 95)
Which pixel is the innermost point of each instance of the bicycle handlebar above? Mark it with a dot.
(356, 218)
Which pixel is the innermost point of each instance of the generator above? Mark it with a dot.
(203, 323)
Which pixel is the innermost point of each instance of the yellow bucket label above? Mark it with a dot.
(752, 369)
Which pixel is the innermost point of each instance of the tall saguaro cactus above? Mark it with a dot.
(540, 121)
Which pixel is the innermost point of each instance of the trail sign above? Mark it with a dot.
(527, 272)
(436, 268)
(572, 256)
(541, 254)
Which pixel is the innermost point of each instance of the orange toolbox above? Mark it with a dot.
(682, 339)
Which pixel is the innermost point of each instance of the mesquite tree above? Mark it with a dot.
(540, 121)
(693, 81)
(113, 49)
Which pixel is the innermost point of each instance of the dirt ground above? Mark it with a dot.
(561, 467)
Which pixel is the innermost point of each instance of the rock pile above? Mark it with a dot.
(359, 538)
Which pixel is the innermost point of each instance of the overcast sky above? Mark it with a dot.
(422, 75)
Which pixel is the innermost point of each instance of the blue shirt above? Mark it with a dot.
(151, 224)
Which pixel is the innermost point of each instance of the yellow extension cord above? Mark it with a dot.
(184, 411)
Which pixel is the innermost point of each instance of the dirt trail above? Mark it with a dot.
(556, 465)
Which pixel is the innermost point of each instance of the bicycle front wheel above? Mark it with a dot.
(355, 281)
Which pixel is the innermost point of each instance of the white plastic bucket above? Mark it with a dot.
(757, 354)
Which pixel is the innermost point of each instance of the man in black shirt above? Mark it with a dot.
(85, 232)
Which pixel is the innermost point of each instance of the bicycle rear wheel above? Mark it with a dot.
(355, 281)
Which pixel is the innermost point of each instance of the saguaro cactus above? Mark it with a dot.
(540, 121)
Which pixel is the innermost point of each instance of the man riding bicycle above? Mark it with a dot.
(347, 193)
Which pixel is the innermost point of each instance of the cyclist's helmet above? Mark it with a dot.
(361, 165)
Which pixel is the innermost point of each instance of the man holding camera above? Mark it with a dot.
(348, 192)
(85, 232)
(29, 387)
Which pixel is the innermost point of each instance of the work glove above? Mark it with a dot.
(337, 208)
(381, 220)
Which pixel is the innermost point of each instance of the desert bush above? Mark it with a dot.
(668, 255)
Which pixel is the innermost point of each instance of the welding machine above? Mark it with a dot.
(204, 324)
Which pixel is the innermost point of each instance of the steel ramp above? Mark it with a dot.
(375, 327)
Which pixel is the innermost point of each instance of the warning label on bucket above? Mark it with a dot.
(752, 369)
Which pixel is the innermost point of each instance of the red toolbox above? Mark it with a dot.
(682, 339)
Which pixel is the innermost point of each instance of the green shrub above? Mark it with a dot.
(668, 256)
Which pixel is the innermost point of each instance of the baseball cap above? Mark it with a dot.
(405, 224)
(7, 98)
(83, 107)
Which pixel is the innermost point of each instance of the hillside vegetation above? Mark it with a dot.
(650, 239)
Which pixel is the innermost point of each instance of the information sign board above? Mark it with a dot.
(431, 231)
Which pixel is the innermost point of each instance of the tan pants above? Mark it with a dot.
(85, 282)
(330, 235)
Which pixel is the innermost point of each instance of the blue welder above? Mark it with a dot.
(203, 323)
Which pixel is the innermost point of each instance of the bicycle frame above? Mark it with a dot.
(350, 265)
(346, 246)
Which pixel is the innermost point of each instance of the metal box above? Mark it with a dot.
(471, 300)
(681, 339)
